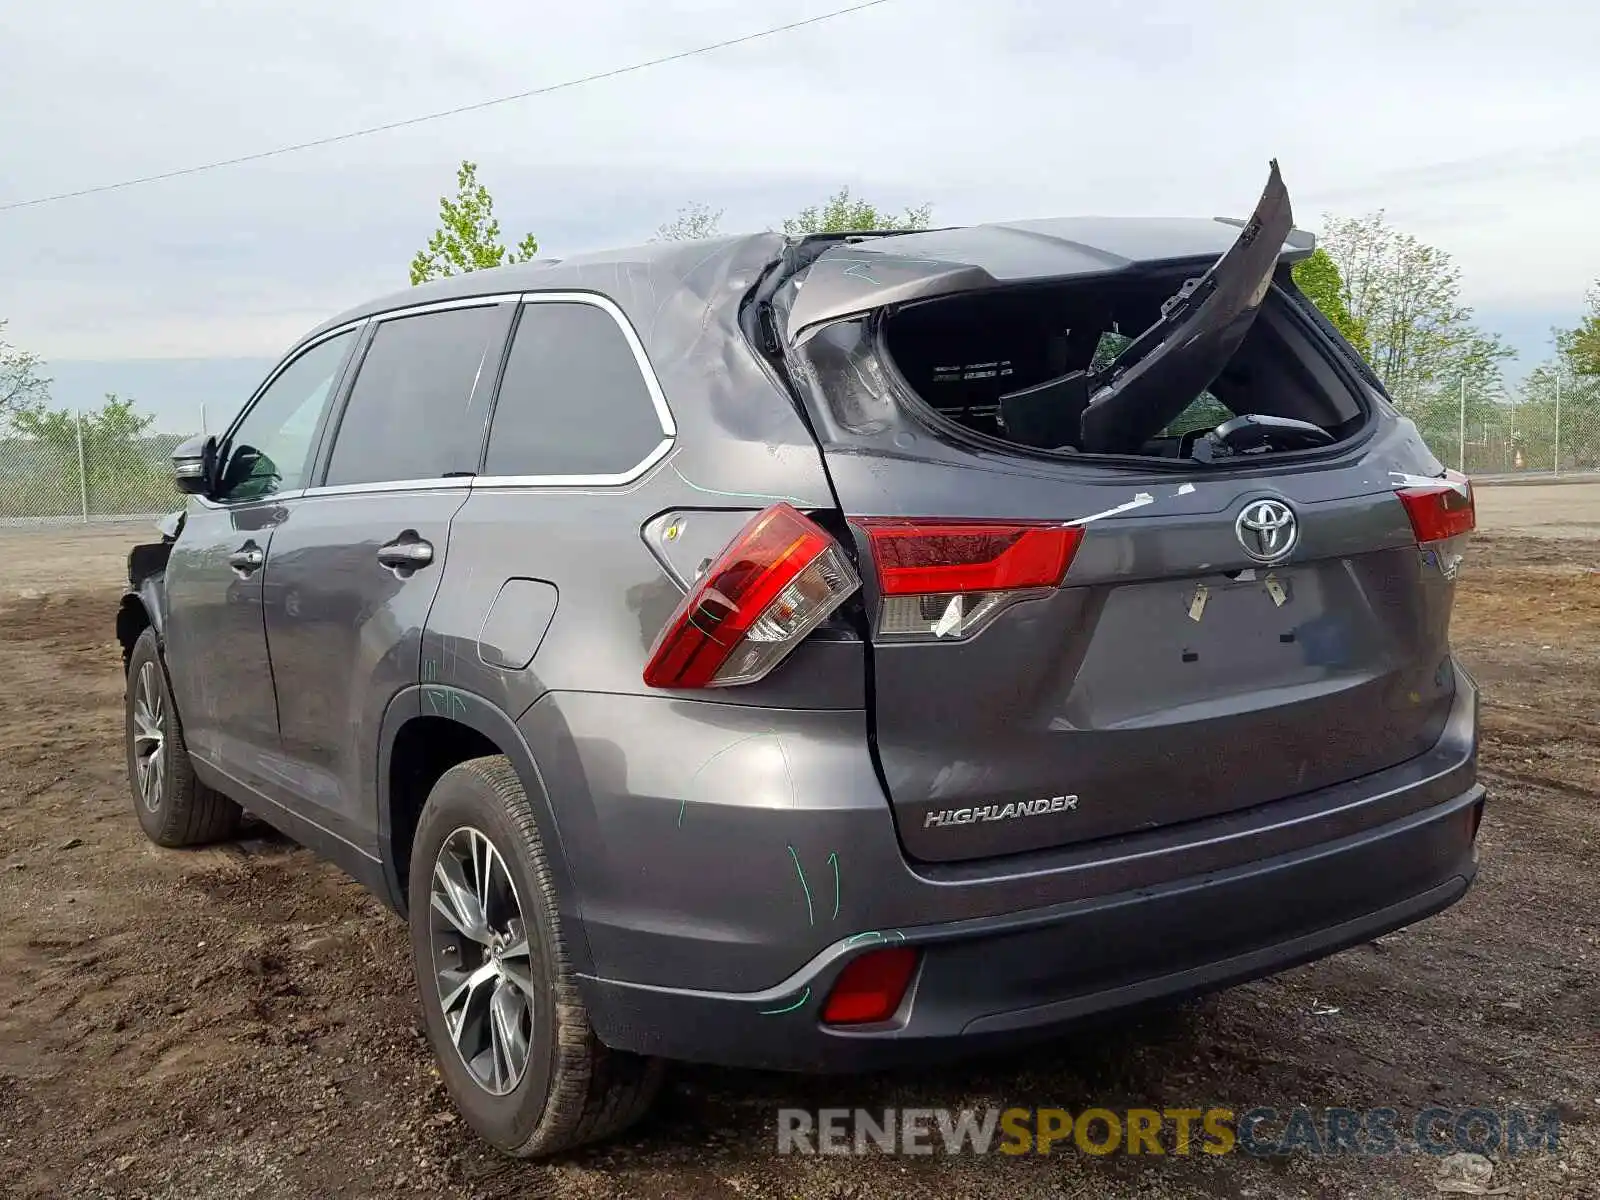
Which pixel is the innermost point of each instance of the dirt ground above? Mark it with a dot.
(241, 1021)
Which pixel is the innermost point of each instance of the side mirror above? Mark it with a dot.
(194, 465)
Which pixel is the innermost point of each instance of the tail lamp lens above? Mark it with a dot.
(871, 988)
(1442, 510)
(776, 582)
(946, 579)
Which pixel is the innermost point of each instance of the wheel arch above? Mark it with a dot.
(143, 606)
(426, 730)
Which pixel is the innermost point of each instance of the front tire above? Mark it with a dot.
(174, 808)
(499, 999)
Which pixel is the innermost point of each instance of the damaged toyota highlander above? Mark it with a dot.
(821, 653)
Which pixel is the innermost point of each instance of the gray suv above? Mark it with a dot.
(822, 653)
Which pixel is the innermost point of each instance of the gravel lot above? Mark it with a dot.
(240, 1021)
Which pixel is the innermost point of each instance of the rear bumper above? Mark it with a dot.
(725, 863)
(990, 981)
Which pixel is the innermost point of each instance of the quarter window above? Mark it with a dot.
(574, 399)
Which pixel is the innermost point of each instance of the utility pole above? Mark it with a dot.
(1461, 443)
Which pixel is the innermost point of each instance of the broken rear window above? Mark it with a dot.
(998, 363)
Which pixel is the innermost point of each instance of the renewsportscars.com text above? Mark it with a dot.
(1260, 1131)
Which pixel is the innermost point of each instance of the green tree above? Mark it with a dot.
(468, 237)
(1405, 297)
(21, 384)
(1443, 371)
(694, 221)
(843, 213)
(1318, 277)
(1581, 346)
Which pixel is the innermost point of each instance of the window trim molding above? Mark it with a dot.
(658, 401)
(431, 483)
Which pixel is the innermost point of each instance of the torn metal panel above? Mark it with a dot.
(1157, 375)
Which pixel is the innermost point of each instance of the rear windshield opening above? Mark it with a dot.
(965, 355)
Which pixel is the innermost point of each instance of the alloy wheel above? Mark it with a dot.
(149, 737)
(482, 964)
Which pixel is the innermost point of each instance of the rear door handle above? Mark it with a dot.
(408, 551)
(247, 558)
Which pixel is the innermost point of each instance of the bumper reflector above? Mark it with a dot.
(870, 989)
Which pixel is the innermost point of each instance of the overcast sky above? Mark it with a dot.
(1470, 123)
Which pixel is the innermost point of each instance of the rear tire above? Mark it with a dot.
(174, 808)
(516, 1051)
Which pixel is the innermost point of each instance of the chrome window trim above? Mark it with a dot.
(436, 483)
(658, 401)
(620, 479)
(272, 498)
(417, 310)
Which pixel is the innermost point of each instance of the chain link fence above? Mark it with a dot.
(1552, 431)
(79, 475)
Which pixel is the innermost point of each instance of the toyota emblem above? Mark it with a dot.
(1267, 530)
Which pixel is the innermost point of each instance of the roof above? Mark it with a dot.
(853, 275)
(640, 279)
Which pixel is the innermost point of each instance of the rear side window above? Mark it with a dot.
(574, 399)
(407, 413)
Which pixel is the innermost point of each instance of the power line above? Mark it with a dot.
(448, 112)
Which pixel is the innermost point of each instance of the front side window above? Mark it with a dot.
(407, 413)
(574, 400)
(270, 450)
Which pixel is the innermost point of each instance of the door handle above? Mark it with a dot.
(247, 557)
(406, 552)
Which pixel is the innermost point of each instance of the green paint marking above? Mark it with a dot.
(778, 1012)
(833, 859)
(856, 937)
(800, 871)
(682, 804)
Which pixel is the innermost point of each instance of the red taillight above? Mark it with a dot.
(870, 988)
(776, 582)
(916, 557)
(1442, 510)
(947, 579)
